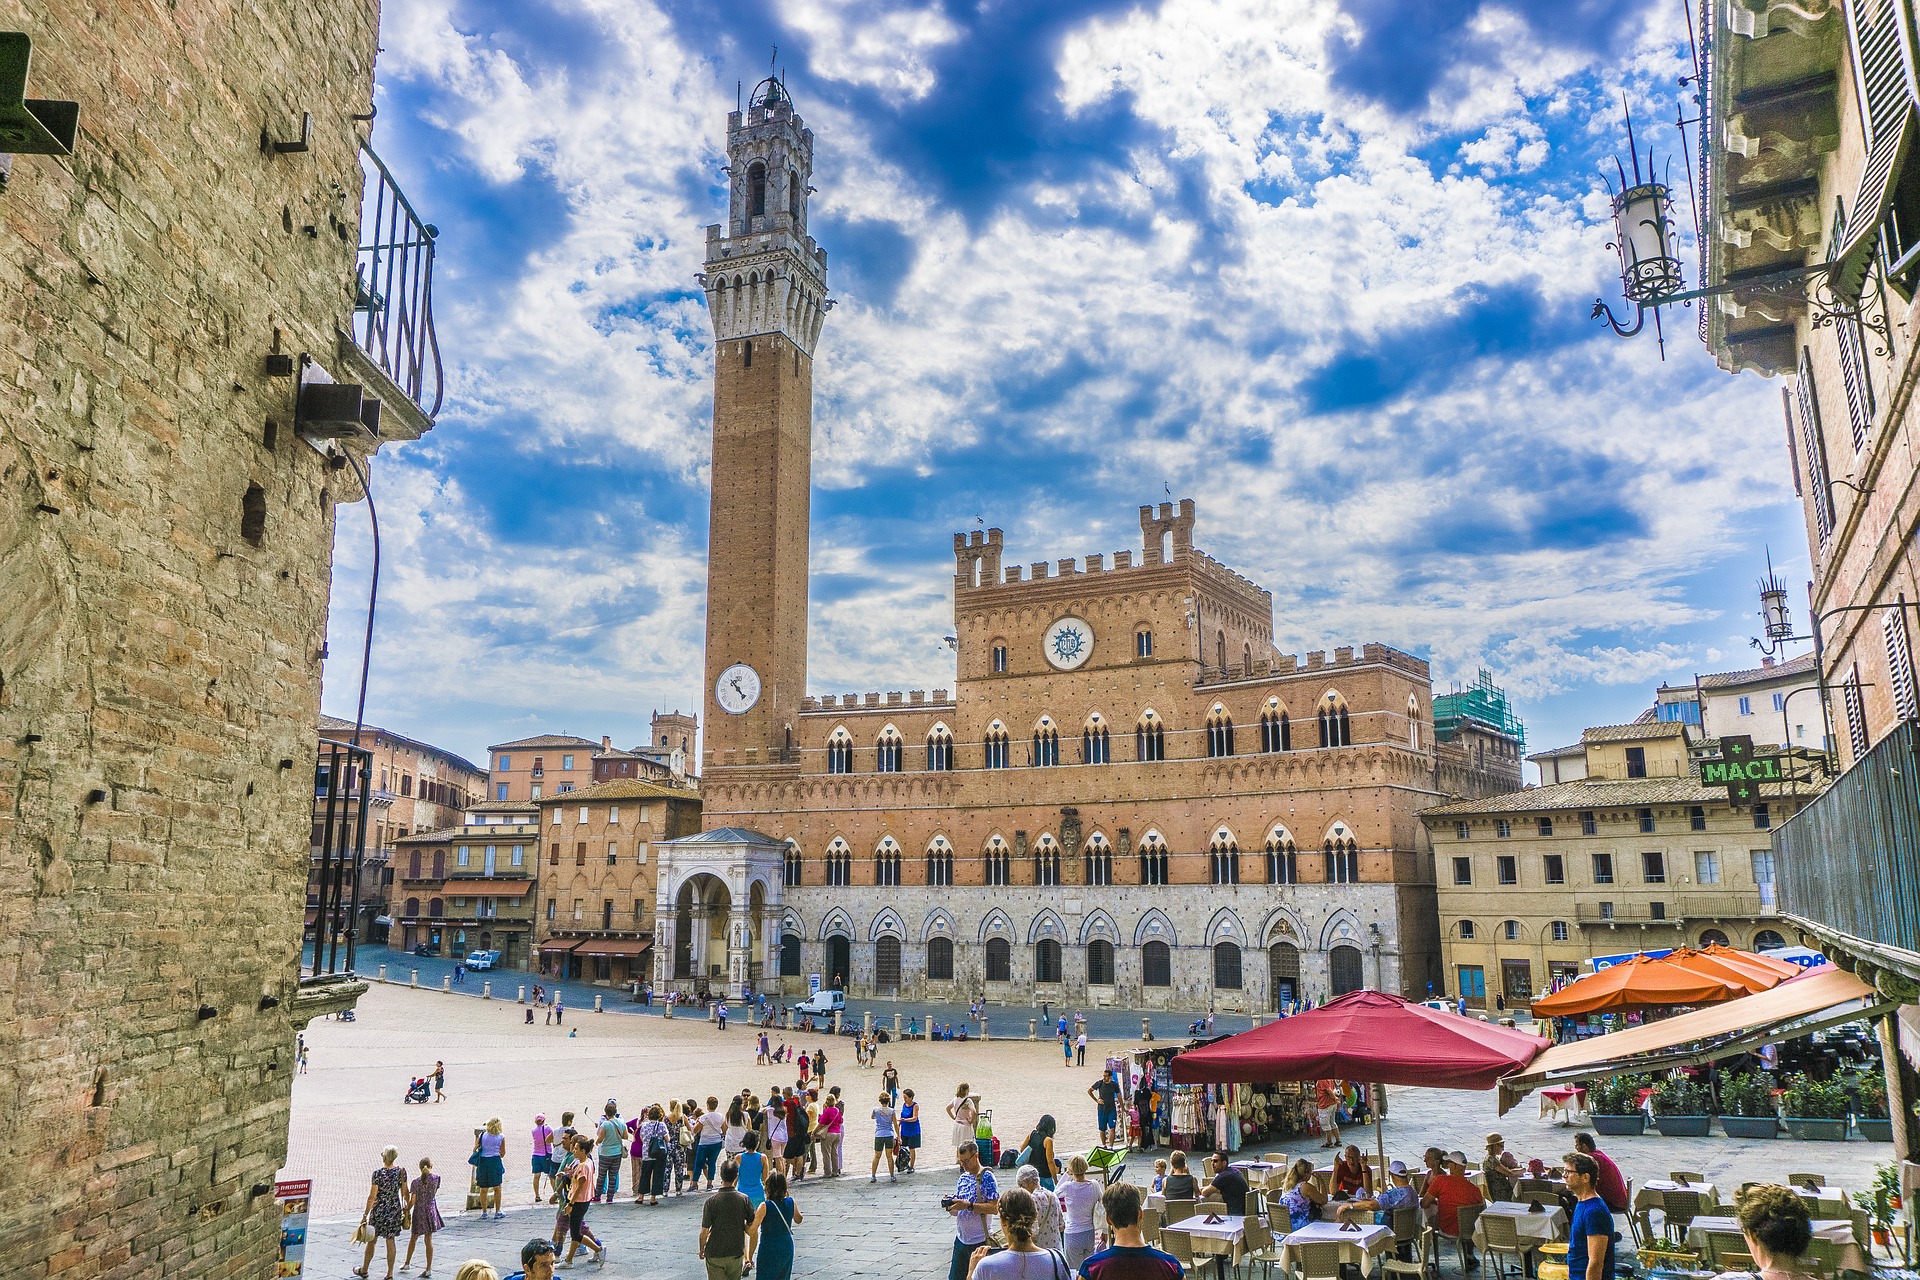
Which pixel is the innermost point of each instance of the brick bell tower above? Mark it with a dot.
(766, 286)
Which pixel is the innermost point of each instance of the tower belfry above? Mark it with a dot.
(766, 286)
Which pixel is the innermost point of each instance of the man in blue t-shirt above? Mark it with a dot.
(1591, 1233)
(1129, 1257)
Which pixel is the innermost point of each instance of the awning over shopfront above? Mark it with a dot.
(559, 946)
(1823, 997)
(614, 947)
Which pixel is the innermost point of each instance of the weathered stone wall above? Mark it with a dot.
(159, 669)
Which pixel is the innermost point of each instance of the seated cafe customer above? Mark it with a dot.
(1447, 1194)
(1397, 1194)
(1778, 1230)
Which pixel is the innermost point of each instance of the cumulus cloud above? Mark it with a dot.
(1213, 245)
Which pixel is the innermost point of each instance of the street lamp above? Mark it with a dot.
(1773, 614)
(1644, 237)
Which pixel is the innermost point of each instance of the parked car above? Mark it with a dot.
(822, 1002)
(482, 959)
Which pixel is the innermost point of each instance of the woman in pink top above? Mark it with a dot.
(542, 1156)
(832, 1116)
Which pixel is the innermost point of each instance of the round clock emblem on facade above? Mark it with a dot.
(1068, 643)
(737, 689)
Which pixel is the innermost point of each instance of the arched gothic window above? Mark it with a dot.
(1413, 723)
(794, 865)
(1283, 866)
(756, 190)
(840, 751)
(1343, 857)
(999, 751)
(1156, 965)
(1046, 960)
(1224, 854)
(1099, 963)
(939, 862)
(886, 862)
(888, 751)
(999, 862)
(939, 749)
(1046, 743)
(1155, 861)
(1046, 861)
(1094, 746)
(999, 960)
(1150, 738)
(1226, 966)
(1220, 651)
(940, 959)
(1335, 730)
(1219, 732)
(1099, 859)
(839, 862)
(1276, 733)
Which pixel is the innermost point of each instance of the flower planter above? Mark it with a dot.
(1880, 1130)
(1620, 1126)
(1817, 1130)
(1683, 1126)
(1751, 1126)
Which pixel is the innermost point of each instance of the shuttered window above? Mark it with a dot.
(1813, 446)
(1893, 630)
(1851, 338)
(1856, 714)
(1883, 212)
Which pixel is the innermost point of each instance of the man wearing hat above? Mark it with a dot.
(1447, 1194)
(1397, 1194)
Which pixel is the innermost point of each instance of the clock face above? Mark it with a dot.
(1068, 643)
(737, 689)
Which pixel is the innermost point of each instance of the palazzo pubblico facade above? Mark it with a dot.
(1129, 797)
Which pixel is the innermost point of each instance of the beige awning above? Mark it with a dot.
(1847, 277)
(1827, 996)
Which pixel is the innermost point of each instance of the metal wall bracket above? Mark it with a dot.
(329, 410)
(302, 143)
(29, 126)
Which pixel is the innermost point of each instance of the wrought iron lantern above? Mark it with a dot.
(1773, 608)
(1646, 238)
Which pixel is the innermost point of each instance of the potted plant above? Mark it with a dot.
(1880, 1203)
(1613, 1104)
(1871, 1117)
(1747, 1108)
(1681, 1108)
(1816, 1110)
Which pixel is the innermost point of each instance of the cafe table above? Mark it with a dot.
(1226, 1238)
(1652, 1194)
(1533, 1226)
(1563, 1103)
(1258, 1172)
(1359, 1247)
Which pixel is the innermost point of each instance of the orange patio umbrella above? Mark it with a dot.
(1638, 983)
(1751, 973)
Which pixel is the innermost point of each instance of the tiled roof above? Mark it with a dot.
(546, 740)
(1572, 749)
(621, 789)
(334, 726)
(726, 835)
(1788, 670)
(429, 837)
(1638, 731)
(1590, 793)
(503, 806)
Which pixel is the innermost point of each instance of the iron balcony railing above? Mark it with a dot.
(347, 771)
(1850, 861)
(393, 288)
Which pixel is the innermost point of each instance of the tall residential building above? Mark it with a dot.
(1130, 795)
(597, 883)
(173, 285)
(1630, 854)
(1759, 703)
(470, 886)
(1811, 208)
(529, 769)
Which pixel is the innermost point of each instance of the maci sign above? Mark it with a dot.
(1739, 770)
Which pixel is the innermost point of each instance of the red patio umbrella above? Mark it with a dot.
(1370, 1036)
(1639, 983)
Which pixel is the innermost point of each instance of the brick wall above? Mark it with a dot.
(156, 666)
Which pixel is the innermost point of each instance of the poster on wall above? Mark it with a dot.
(294, 1199)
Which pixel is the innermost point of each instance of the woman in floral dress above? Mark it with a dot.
(386, 1211)
(426, 1215)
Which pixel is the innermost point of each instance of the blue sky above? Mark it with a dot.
(1323, 267)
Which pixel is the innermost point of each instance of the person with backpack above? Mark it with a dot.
(653, 1160)
(1038, 1151)
(974, 1200)
(612, 1153)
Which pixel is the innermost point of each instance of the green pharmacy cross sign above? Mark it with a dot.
(1739, 770)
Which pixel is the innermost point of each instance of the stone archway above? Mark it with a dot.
(700, 913)
(839, 961)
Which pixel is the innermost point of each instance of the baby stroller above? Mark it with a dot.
(419, 1091)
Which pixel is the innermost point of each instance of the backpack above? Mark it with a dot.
(656, 1147)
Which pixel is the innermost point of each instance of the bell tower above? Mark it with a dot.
(766, 286)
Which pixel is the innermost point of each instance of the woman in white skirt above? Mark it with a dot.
(965, 1112)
